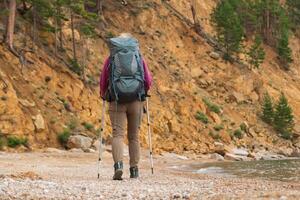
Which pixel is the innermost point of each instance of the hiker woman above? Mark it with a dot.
(124, 82)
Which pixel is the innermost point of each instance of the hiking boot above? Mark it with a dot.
(134, 172)
(118, 171)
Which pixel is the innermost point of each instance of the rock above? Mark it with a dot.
(238, 97)
(244, 126)
(96, 146)
(52, 150)
(215, 117)
(258, 129)
(196, 72)
(76, 150)
(214, 55)
(233, 157)
(219, 148)
(265, 155)
(297, 129)
(286, 151)
(26, 103)
(296, 153)
(252, 131)
(254, 97)
(21, 149)
(217, 157)
(240, 152)
(297, 144)
(90, 151)
(79, 141)
(174, 126)
(39, 122)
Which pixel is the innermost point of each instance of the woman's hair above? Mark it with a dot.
(125, 35)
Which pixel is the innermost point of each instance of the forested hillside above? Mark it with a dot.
(226, 73)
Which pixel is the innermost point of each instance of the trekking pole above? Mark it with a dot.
(149, 136)
(100, 136)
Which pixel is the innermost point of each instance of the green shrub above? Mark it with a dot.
(243, 127)
(75, 67)
(218, 127)
(211, 106)
(88, 126)
(63, 137)
(14, 141)
(238, 133)
(202, 117)
(214, 135)
(109, 34)
(73, 124)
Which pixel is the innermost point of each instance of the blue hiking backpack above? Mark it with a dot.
(126, 79)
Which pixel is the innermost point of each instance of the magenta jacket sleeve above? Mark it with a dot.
(147, 76)
(104, 78)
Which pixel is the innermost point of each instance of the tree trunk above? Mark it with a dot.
(10, 26)
(99, 5)
(34, 27)
(197, 25)
(84, 60)
(73, 37)
(59, 21)
(55, 37)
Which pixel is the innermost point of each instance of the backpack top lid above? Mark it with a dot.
(123, 43)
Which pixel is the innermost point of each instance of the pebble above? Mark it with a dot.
(73, 176)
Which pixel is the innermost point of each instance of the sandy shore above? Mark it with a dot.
(69, 175)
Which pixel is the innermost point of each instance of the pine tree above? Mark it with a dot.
(267, 109)
(256, 53)
(228, 26)
(283, 118)
(293, 7)
(284, 51)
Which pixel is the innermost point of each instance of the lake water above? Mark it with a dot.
(283, 170)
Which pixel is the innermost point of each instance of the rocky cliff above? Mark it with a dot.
(40, 99)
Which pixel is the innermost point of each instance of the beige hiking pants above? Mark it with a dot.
(120, 114)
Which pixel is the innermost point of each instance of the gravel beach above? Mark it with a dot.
(73, 175)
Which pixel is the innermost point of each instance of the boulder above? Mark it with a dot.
(39, 122)
(214, 55)
(90, 151)
(286, 151)
(240, 152)
(233, 157)
(237, 97)
(196, 72)
(254, 97)
(26, 103)
(216, 156)
(219, 148)
(79, 142)
(215, 117)
(296, 153)
(265, 155)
